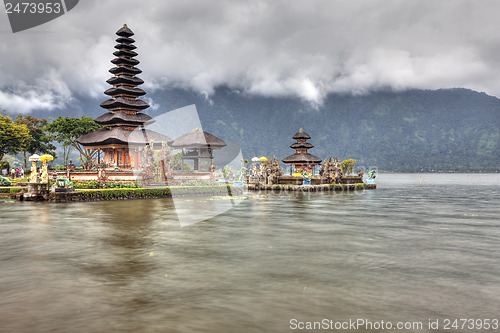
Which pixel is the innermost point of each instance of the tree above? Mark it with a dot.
(40, 142)
(176, 162)
(14, 137)
(347, 166)
(66, 130)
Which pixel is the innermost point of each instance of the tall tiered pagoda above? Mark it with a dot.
(124, 124)
(302, 159)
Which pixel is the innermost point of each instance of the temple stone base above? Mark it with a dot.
(86, 175)
(36, 192)
(313, 188)
(124, 178)
(293, 180)
(180, 176)
(128, 175)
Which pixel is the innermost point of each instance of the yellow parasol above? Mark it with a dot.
(263, 158)
(46, 157)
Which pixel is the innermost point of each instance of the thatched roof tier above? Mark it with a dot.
(121, 136)
(125, 125)
(203, 153)
(125, 40)
(304, 158)
(122, 118)
(126, 91)
(125, 62)
(125, 46)
(123, 103)
(197, 139)
(125, 79)
(124, 53)
(304, 145)
(301, 135)
(119, 70)
(124, 32)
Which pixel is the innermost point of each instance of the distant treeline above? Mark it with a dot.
(411, 131)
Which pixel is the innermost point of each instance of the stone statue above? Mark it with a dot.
(241, 174)
(64, 182)
(360, 173)
(44, 178)
(33, 174)
(166, 160)
(147, 164)
(272, 171)
(331, 170)
(5, 181)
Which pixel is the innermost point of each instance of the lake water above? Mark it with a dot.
(420, 247)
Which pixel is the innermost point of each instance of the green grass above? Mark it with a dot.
(10, 189)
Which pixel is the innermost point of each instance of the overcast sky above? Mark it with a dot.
(304, 48)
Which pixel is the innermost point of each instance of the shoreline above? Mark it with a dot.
(313, 188)
(112, 194)
(89, 195)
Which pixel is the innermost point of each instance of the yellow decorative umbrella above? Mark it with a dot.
(46, 157)
(44, 178)
(263, 158)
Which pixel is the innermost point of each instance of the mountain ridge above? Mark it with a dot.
(410, 131)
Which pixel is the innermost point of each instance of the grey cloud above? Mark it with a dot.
(275, 47)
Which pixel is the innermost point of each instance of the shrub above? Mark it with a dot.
(94, 184)
(110, 193)
(5, 165)
(196, 182)
(347, 166)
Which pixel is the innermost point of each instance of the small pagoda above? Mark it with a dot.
(198, 146)
(124, 133)
(302, 159)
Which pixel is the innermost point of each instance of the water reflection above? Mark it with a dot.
(121, 250)
(397, 253)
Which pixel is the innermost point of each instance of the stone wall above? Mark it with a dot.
(144, 193)
(313, 188)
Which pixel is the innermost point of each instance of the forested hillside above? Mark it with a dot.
(419, 130)
(441, 130)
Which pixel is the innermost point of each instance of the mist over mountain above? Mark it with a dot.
(411, 131)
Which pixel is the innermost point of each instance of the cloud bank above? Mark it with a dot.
(301, 48)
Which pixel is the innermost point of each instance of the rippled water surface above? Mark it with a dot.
(419, 247)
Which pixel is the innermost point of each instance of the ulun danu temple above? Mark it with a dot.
(125, 148)
(302, 159)
(124, 123)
